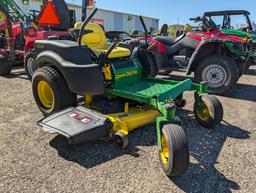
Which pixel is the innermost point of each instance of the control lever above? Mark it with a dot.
(144, 27)
(112, 47)
(104, 56)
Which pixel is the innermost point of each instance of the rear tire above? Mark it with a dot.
(58, 96)
(174, 157)
(220, 72)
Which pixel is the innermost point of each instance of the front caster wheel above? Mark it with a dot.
(209, 113)
(174, 156)
(180, 102)
(120, 140)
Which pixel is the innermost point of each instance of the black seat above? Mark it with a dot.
(168, 41)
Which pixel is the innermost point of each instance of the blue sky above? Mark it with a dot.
(168, 11)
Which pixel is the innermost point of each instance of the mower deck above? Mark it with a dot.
(82, 124)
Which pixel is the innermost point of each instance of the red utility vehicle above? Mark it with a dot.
(17, 38)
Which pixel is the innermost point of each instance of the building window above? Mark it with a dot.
(129, 18)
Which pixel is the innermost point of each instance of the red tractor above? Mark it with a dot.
(18, 32)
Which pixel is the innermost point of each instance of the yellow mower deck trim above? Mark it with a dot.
(135, 117)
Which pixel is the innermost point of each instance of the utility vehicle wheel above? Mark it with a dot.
(174, 156)
(50, 91)
(30, 64)
(120, 140)
(210, 113)
(221, 74)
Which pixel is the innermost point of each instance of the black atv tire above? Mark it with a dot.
(148, 63)
(30, 60)
(222, 63)
(63, 12)
(162, 62)
(62, 97)
(178, 151)
(153, 69)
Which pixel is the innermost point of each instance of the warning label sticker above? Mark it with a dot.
(79, 117)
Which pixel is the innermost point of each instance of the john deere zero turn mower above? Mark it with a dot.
(119, 95)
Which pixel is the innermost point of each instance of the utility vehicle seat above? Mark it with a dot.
(168, 41)
(98, 42)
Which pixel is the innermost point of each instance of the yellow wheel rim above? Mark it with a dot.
(204, 115)
(2, 18)
(165, 151)
(45, 94)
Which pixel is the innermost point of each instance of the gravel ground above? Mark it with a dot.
(222, 160)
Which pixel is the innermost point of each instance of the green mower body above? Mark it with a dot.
(119, 96)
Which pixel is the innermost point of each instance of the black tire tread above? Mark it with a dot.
(63, 97)
(229, 63)
(180, 157)
(217, 111)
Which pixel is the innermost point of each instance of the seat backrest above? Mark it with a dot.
(97, 39)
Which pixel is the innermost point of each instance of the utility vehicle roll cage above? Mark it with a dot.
(228, 13)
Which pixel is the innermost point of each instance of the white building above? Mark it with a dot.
(112, 20)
